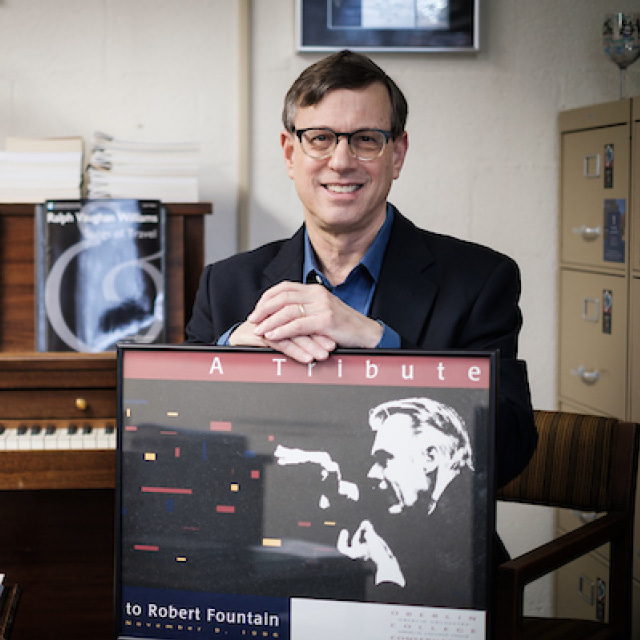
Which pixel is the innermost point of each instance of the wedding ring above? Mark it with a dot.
(303, 313)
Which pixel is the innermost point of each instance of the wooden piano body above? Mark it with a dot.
(57, 507)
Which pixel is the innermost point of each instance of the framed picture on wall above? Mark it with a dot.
(388, 25)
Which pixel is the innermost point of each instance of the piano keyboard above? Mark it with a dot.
(52, 435)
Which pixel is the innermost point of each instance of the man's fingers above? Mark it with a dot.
(303, 349)
(284, 295)
(286, 316)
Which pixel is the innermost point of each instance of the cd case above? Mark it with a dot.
(100, 274)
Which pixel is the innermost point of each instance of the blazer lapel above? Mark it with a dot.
(287, 264)
(407, 288)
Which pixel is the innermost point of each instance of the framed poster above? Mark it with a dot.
(384, 25)
(258, 497)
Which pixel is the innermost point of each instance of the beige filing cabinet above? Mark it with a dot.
(599, 306)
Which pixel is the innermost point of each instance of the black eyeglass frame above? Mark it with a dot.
(348, 135)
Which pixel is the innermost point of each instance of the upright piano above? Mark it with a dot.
(57, 442)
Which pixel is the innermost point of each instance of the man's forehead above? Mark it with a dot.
(374, 96)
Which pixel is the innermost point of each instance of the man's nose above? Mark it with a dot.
(342, 155)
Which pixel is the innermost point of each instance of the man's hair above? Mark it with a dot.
(426, 412)
(342, 70)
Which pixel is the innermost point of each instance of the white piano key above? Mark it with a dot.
(106, 437)
(50, 438)
(22, 438)
(75, 437)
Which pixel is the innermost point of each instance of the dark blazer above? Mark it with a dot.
(436, 291)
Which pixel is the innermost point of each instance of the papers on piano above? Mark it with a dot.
(51, 436)
(143, 170)
(34, 170)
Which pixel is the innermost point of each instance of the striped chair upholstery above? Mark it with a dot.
(588, 463)
(570, 445)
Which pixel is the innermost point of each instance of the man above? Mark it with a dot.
(358, 274)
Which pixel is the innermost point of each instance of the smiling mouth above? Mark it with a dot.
(342, 188)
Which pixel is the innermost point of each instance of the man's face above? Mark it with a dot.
(405, 459)
(342, 194)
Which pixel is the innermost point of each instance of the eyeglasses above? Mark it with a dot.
(364, 144)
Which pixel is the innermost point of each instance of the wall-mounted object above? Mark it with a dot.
(400, 26)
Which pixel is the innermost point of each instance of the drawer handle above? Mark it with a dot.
(587, 162)
(81, 404)
(595, 316)
(586, 589)
(588, 377)
(588, 233)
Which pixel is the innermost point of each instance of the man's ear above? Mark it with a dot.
(287, 142)
(400, 148)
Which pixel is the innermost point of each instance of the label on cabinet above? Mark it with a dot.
(607, 307)
(608, 166)
(614, 220)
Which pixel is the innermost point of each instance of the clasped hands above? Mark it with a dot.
(305, 322)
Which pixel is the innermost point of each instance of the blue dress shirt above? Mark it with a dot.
(358, 288)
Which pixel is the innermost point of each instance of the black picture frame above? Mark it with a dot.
(251, 501)
(404, 26)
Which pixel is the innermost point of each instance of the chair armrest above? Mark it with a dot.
(561, 551)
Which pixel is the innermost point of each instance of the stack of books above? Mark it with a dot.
(34, 170)
(143, 170)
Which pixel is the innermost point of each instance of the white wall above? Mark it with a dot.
(153, 70)
(483, 159)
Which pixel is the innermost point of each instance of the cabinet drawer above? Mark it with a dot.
(592, 233)
(581, 587)
(574, 588)
(635, 610)
(635, 181)
(73, 404)
(593, 341)
(634, 337)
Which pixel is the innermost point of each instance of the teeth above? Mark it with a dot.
(343, 188)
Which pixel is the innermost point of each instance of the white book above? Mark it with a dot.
(44, 144)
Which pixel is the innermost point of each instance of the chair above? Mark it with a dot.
(587, 463)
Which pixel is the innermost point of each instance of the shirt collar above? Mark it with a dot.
(372, 259)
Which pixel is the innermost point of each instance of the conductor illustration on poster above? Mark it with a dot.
(261, 495)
